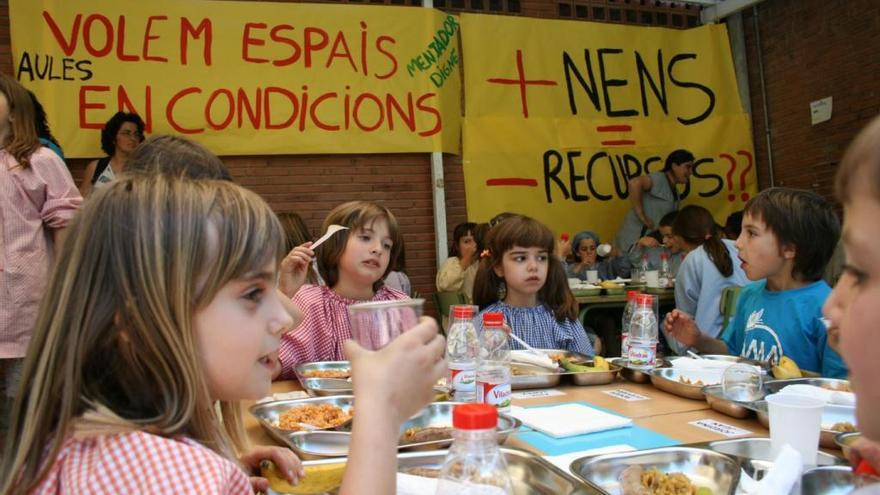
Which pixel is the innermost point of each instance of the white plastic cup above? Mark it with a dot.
(375, 324)
(593, 276)
(652, 278)
(572, 282)
(795, 420)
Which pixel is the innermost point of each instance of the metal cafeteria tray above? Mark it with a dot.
(323, 387)
(705, 468)
(764, 365)
(634, 374)
(268, 412)
(718, 401)
(845, 440)
(667, 379)
(831, 480)
(831, 415)
(526, 376)
(755, 455)
(321, 444)
(742, 409)
(531, 474)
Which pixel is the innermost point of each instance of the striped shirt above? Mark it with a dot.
(538, 327)
(34, 201)
(325, 327)
(137, 462)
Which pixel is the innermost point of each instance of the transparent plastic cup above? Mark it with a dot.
(593, 276)
(742, 383)
(795, 420)
(375, 324)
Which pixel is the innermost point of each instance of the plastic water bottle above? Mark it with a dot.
(628, 311)
(643, 334)
(462, 349)
(474, 464)
(643, 269)
(665, 279)
(493, 363)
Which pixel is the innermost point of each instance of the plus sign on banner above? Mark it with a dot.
(560, 114)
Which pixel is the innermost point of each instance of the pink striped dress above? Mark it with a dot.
(139, 462)
(325, 327)
(34, 201)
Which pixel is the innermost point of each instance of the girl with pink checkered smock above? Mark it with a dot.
(162, 312)
(353, 263)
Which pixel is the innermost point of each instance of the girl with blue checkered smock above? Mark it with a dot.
(520, 277)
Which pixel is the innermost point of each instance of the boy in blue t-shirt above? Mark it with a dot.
(787, 238)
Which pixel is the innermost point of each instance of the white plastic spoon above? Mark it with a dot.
(330, 231)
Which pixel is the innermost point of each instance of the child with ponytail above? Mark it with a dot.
(708, 268)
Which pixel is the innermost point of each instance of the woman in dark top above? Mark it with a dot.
(119, 137)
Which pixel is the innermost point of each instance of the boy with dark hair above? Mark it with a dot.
(787, 238)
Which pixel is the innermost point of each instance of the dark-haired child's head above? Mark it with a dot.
(733, 225)
(680, 165)
(463, 240)
(664, 229)
(583, 247)
(497, 219)
(787, 232)
(174, 156)
(124, 131)
(296, 232)
(521, 258)
(372, 238)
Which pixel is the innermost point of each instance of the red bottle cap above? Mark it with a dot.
(564, 236)
(664, 256)
(632, 295)
(865, 469)
(645, 300)
(493, 319)
(463, 311)
(474, 417)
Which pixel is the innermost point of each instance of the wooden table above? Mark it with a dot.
(663, 413)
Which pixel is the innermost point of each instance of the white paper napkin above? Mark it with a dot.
(786, 471)
(568, 420)
(825, 395)
(687, 363)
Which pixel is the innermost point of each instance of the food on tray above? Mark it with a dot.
(786, 368)
(337, 373)
(688, 381)
(528, 357)
(845, 427)
(842, 387)
(422, 471)
(599, 364)
(426, 434)
(318, 479)
(635, 480)
(610, 285)
(320, 416)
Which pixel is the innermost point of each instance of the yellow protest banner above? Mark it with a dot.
(560, 114)
(244, 77)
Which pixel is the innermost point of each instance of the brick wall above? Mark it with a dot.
(811, 48)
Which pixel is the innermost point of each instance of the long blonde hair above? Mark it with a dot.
(113, 349)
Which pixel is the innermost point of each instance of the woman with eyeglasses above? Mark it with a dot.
(119, 137)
